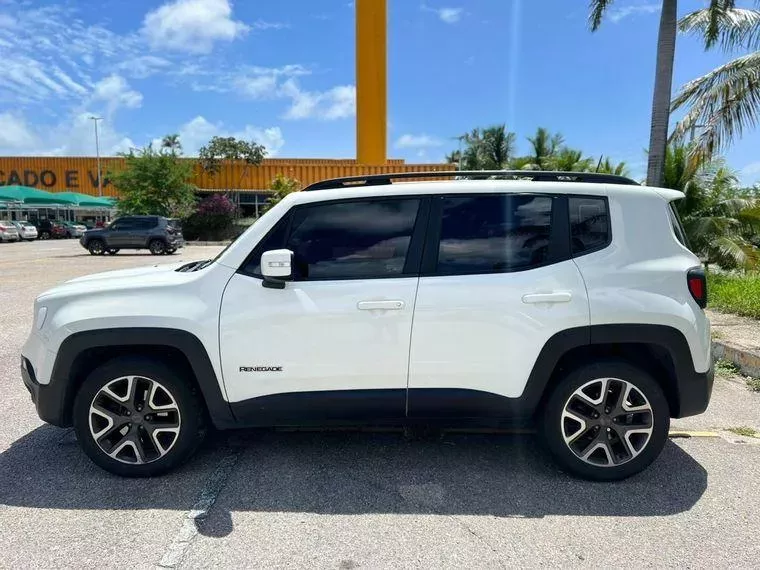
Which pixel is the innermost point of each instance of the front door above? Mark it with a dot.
(120, 232)
(497, 282)
(333, 345)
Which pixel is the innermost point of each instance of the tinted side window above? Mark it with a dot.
(123, 224)
(589, 224)
(352, 240)
(494, 233)
(275, 239)
(145, 223)
(675, 221)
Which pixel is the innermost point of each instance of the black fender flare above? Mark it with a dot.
(62, 387)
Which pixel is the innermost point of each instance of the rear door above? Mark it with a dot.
(333, 345)
(497, 283)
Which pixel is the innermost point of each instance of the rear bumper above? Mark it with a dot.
(694, 390)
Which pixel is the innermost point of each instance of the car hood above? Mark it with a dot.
(140, 278)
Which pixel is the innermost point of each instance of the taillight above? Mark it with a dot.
(697, 283)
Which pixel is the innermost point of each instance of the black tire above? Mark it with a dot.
(191, 419)
(171, 251)
(44, 235)
(555, 427)
(157, 247)
(112, 251)
(96, 247)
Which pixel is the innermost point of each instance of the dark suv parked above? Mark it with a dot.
(155, 233)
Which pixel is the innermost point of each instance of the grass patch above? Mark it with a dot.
(725, 367)
(753, 384)
(744, 431)
(737, 293)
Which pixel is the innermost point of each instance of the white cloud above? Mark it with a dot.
(73, 136)
(7, 21)
(264, 25)
(143, 66)
(336, 103)
(197, 132)
(192, 25)
(447, 15)
(618, 13)
(15, 134)
(116, 93)
(417, 141)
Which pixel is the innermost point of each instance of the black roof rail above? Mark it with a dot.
(533, 175)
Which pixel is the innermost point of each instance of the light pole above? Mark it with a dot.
(97, 154)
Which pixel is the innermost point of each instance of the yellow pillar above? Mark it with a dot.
(371, 81)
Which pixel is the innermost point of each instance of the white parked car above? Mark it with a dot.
(26, 230)
(8, 231)
(570, 300)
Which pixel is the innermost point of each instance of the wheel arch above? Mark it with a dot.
(82, 352)
(660, 350)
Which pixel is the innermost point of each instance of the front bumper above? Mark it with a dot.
(47, 398)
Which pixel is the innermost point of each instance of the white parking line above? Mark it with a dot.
(189, 529)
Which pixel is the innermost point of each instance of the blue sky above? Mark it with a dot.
(283, 73)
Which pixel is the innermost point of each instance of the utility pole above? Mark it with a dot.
(97, 153)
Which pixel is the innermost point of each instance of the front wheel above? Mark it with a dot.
(606, 421)
(44, 235)
(135, 417)
(96, 247)
(157, 247)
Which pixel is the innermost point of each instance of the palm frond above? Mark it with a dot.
(734, 250)
(723, 102)
(597, 8)
(730, 27)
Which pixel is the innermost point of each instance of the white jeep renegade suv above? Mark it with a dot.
(570, 299)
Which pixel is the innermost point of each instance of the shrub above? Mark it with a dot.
(213, 220)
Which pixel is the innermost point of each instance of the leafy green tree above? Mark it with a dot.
(718, 222)
(218, 149)
(663, 80)
(281, 186)
(726, 101)
(545, 147)
(155, 182)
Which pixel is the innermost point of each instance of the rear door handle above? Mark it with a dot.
(394, 305)
(555, 297)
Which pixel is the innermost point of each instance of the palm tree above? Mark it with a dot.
(726, 100)
(490, 148)
(172, 144)
(608, 167)
(663, 79)
(716, 220)
(545, 146)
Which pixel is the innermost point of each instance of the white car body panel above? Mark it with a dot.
(477, 332)
(317, 332)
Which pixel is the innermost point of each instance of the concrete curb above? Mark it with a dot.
(211, 243)
(747, 361)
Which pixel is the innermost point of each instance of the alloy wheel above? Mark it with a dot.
(607, 422)
(134, 419)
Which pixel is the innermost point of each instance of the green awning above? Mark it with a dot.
(27, 195)
(85, 200)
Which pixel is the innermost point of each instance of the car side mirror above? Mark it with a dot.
(276, 268)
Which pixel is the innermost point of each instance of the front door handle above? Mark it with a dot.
(395, 305)
(555, 297)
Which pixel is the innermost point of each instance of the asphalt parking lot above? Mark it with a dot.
(349, 500)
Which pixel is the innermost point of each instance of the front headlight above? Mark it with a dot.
(41, 314)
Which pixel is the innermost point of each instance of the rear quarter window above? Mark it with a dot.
(675, 221)
(589, 224)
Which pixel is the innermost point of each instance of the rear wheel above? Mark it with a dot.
(96, 247)
(113, 251)
(135, 417)
(44, 234)
(606, 421)
(157, 247)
